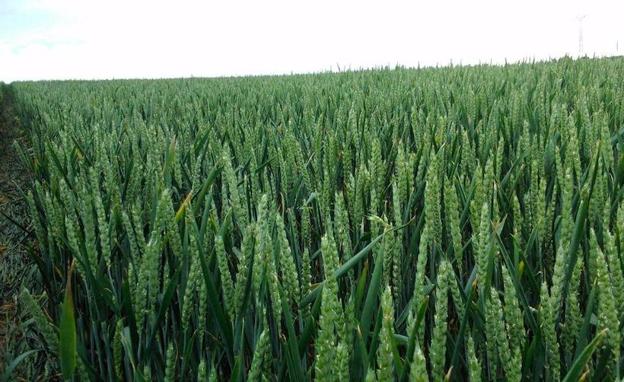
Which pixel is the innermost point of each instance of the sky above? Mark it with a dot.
(72, 39)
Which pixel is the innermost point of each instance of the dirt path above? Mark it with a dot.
(16, 268)
(14, 180)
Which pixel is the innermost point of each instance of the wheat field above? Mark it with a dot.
(460, 223)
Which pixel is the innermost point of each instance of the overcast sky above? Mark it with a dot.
(62, 39)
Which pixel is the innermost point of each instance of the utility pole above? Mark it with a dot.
(580, 42)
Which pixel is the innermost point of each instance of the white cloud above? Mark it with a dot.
(114, 39)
